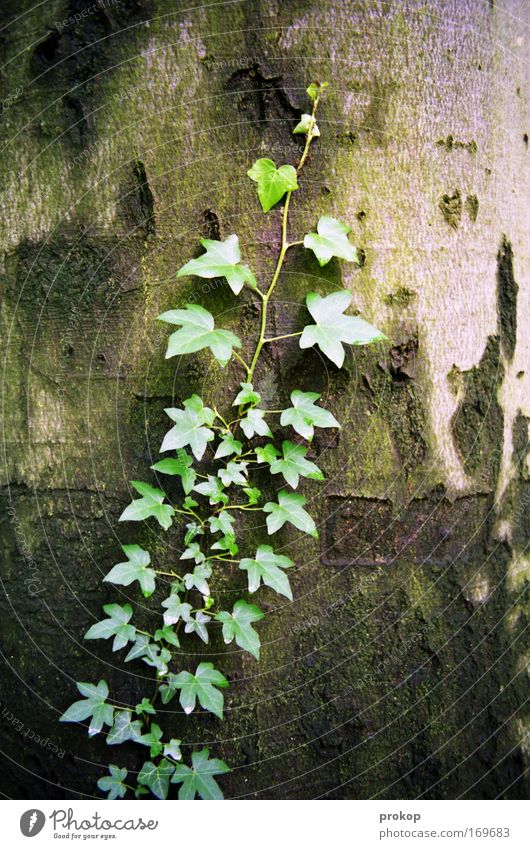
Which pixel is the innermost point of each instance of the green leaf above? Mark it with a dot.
(331, 240)
(272, 182)
(189, 427)
(113, 783)
(124, 728)
(294, 463)
(198, 626)
(332, 327)
(305, 413)
(175, 610)
(93, 705)
(222, 259)
(201, 686)
(254, 422)
(223, 523)
(198, 578)
(226, 543)
(135, 569)
(316, 89)
(238, 625)
(172, 749)
(181, 466)
(152, 739)
(115, 626)
(168, 634)
(267, 454)
(304, 126)
(228, 446)
(253, 494)
(198, 780)
(247, 395)
(145, 706)
(197, 332)
(234, 473)
(213, 489)
(158, 658)
(289, 509)
(150, 505)
(267, 566)
(156, 777)
(138, 649)
(193, 552)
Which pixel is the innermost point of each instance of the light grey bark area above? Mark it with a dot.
(400, 670)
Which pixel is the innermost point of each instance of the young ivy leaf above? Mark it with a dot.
(156, 777)
(198, 780)
(272, 182)
(175, 610)
(331, 239)
(315, 89)
(294, 463)
(152, 739)
(222, 259)
(332, 328)
(247, 395)
(238, 625)
(267, 453)
(150, 505)
(213, 488)
(198, 626)
(181, 466)
(189, 427)
(227, 447)
(198, 579)
(234, 473)
(124, 728)
(145, 706)
(139, 649)
(197, 332)
(115, 626)
(223, 523)
(254, 422)
(135, 569)
(113, 783)
(305, 413)
(172, 750)
(168, 634)
(93, 705)
(267, 567)
(304, 125)
(201, 686)
(290, 508)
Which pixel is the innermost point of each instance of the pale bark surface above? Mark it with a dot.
(126, 137)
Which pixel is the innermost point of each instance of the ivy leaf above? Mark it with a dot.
(198, 780)
(113, 783)
(267, 453)
(189, 427)
(254, 422)
(222, 259)
(304, 126)
(181, 466)
(272, 182)
(151, 504)
(226, 543)
(175, 610)
(93, 705)
(315, 89)
(223, 523)
(156, 777)
(201, 686)
(267, 567)
(135, 569)
(198, 331)
(198, 626)
(193, 552)
(198, 578)
(145, 706)
(253, 494)
(138, 649)
(247, 395)
(158, 658)
(115, 626)
(331, 240)
(289, 509)
(332, 327)
(168, 634)
(213, 488)
(238, 625)
(305, 413)
(152, 739)
(294, 463)
(234, 473)
(124, 728)
(189, 503)
(172, 749)
(228, 446)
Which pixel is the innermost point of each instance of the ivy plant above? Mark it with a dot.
(232, 446)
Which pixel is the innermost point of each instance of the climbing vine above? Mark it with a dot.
(212, 502)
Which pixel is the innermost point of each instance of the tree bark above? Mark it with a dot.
(398, 672)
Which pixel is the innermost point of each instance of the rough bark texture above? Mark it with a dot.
(399, 671)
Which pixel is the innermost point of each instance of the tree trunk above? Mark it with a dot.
(398, 672)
